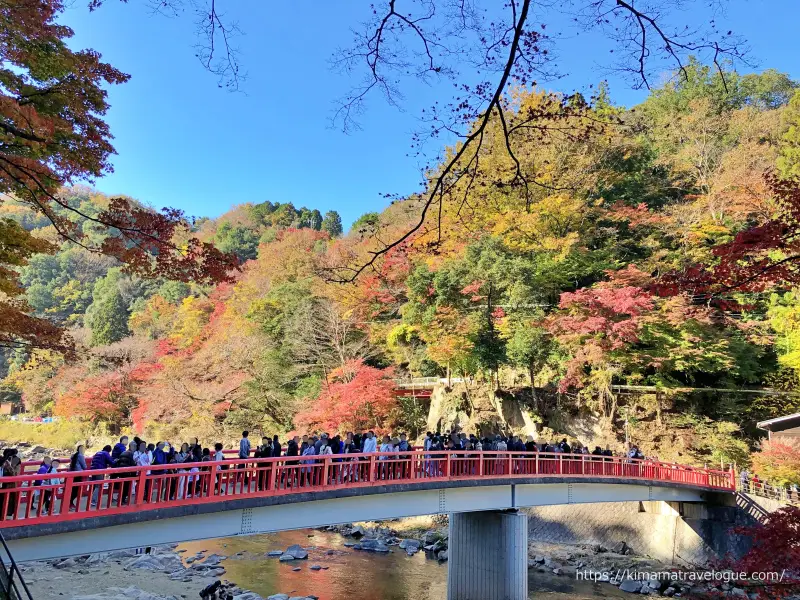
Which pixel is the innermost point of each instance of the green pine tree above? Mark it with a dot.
(332, 223)
(109, 319)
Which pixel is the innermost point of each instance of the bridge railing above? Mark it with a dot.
(766, 490)
(28, 499)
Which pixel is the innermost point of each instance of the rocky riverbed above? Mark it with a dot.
(297, 565)
(164, 573)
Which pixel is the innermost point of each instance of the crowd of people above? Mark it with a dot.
(199, 479)
(753, 484)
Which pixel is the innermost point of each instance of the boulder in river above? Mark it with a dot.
(129, 593)
(153, 562)
(631, 585)
(429, 537)
(622, 548)
(296, 551)
(286, 557)
(358, 531)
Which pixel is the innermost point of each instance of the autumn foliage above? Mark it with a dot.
(357, 398)
(761, 257)
(53, 102)
(778, 461)
(775, 549)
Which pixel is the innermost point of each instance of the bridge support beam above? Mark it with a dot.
(488, 556)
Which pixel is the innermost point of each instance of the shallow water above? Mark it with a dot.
(350, 573)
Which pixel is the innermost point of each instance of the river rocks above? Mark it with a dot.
(358, 531)
(65, 564)
(315, 568)
(654, 584)
(296, 551)
(630, 585)
(286, 557)
(410, 544)
(430, 537)
(155, 562)
(129, 593)
(622, 548)
(278, 597)
(213, 559)
(538, 558)
(442, 556)
(370, 545)
(297, 569)
(275, 553)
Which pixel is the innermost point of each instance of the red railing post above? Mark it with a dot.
(69, 482)
(326, 471)
(141, 482)
(274, 475)
(560, 464)
(372, 468)
(447, 471)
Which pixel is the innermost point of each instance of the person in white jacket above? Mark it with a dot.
(370, 444)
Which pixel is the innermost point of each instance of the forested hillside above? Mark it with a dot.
(599, 267)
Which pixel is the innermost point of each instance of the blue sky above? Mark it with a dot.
(183, 142)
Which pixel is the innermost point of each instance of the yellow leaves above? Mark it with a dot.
(191, 317)
(553, 224)
(154, 319)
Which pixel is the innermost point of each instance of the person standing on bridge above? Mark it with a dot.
(263, 469)
(76, 463)
(306, 471)
(244, 453)
(370, 443)
(44, 468)
(276, 446)
(52, 484)
(142, 459)
(101, 460)
(119, 447)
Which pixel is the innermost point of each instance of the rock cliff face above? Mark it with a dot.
(477, 408)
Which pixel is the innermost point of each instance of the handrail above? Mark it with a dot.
(33, 498)
(765, 490)
(8, 584)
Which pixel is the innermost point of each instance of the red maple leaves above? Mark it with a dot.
(360, 397)
(758, 258)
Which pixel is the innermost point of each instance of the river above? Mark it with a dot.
(356, 574)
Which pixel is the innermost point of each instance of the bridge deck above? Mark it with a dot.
(23, 499)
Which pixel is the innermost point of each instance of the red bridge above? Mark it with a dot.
(294, 492)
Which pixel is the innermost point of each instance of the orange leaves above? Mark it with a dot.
(778, 462)
(358, 398)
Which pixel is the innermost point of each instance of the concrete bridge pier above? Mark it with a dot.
(488, 556)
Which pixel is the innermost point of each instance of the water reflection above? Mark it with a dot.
(393, 576)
